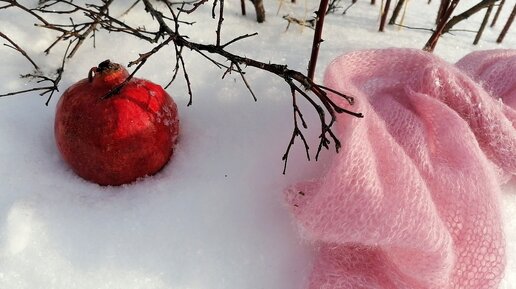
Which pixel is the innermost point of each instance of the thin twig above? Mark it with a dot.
(296, 132)
(50, 89)
(241, 37)
(19, 49)
(90, 29)
(245, 81)
(219, 22)
(468, 13)
(130, 8)
(348, 7)
(195, 6)
(415, 28)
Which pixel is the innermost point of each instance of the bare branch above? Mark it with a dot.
(483, 24)
(90, 29)
(241, 37)
(497, 14)
(168, 34)
(507, 25)
(466, 14)
(14, 3)
(54, 82)
(446, 14)
(245, 81)
(19, 49)
(221, 18)
(130, 8)
(195, 6)
(349, 7)
(296, 132)
(321, 12)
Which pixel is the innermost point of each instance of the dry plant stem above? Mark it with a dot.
(443, 6)
(89, 30)
(333, 6)
(349, 6)
(319, 23)
(497, 14)
(298, 117)
(396, 11)
(432, 41)
(74, 31)
(383, 18)
(195, 6)
(415, 28)
(483, 25)
(242, 75)
(260, 10)
(242, 6)
(54, 82)
(221, 19)
(15, 46)
(14, 3)
(466, 14)
(507, 25)
(130, 8)
(297, 82)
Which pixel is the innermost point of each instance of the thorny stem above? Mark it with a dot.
(319, 23)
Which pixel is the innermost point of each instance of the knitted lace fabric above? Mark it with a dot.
(411, 200)
(495, 71)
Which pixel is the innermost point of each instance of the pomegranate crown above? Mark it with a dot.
(105, 67)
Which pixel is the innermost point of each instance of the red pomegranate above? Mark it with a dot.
(115, 137)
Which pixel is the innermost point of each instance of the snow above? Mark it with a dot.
(214, 217)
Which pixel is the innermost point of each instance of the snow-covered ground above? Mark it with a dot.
(214, 217)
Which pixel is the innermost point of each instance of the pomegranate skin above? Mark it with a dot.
(118, 139)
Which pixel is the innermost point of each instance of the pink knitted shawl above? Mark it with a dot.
(411, 201)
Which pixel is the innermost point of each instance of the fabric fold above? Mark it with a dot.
(411, 201)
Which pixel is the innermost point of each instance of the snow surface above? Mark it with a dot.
(214, 217)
